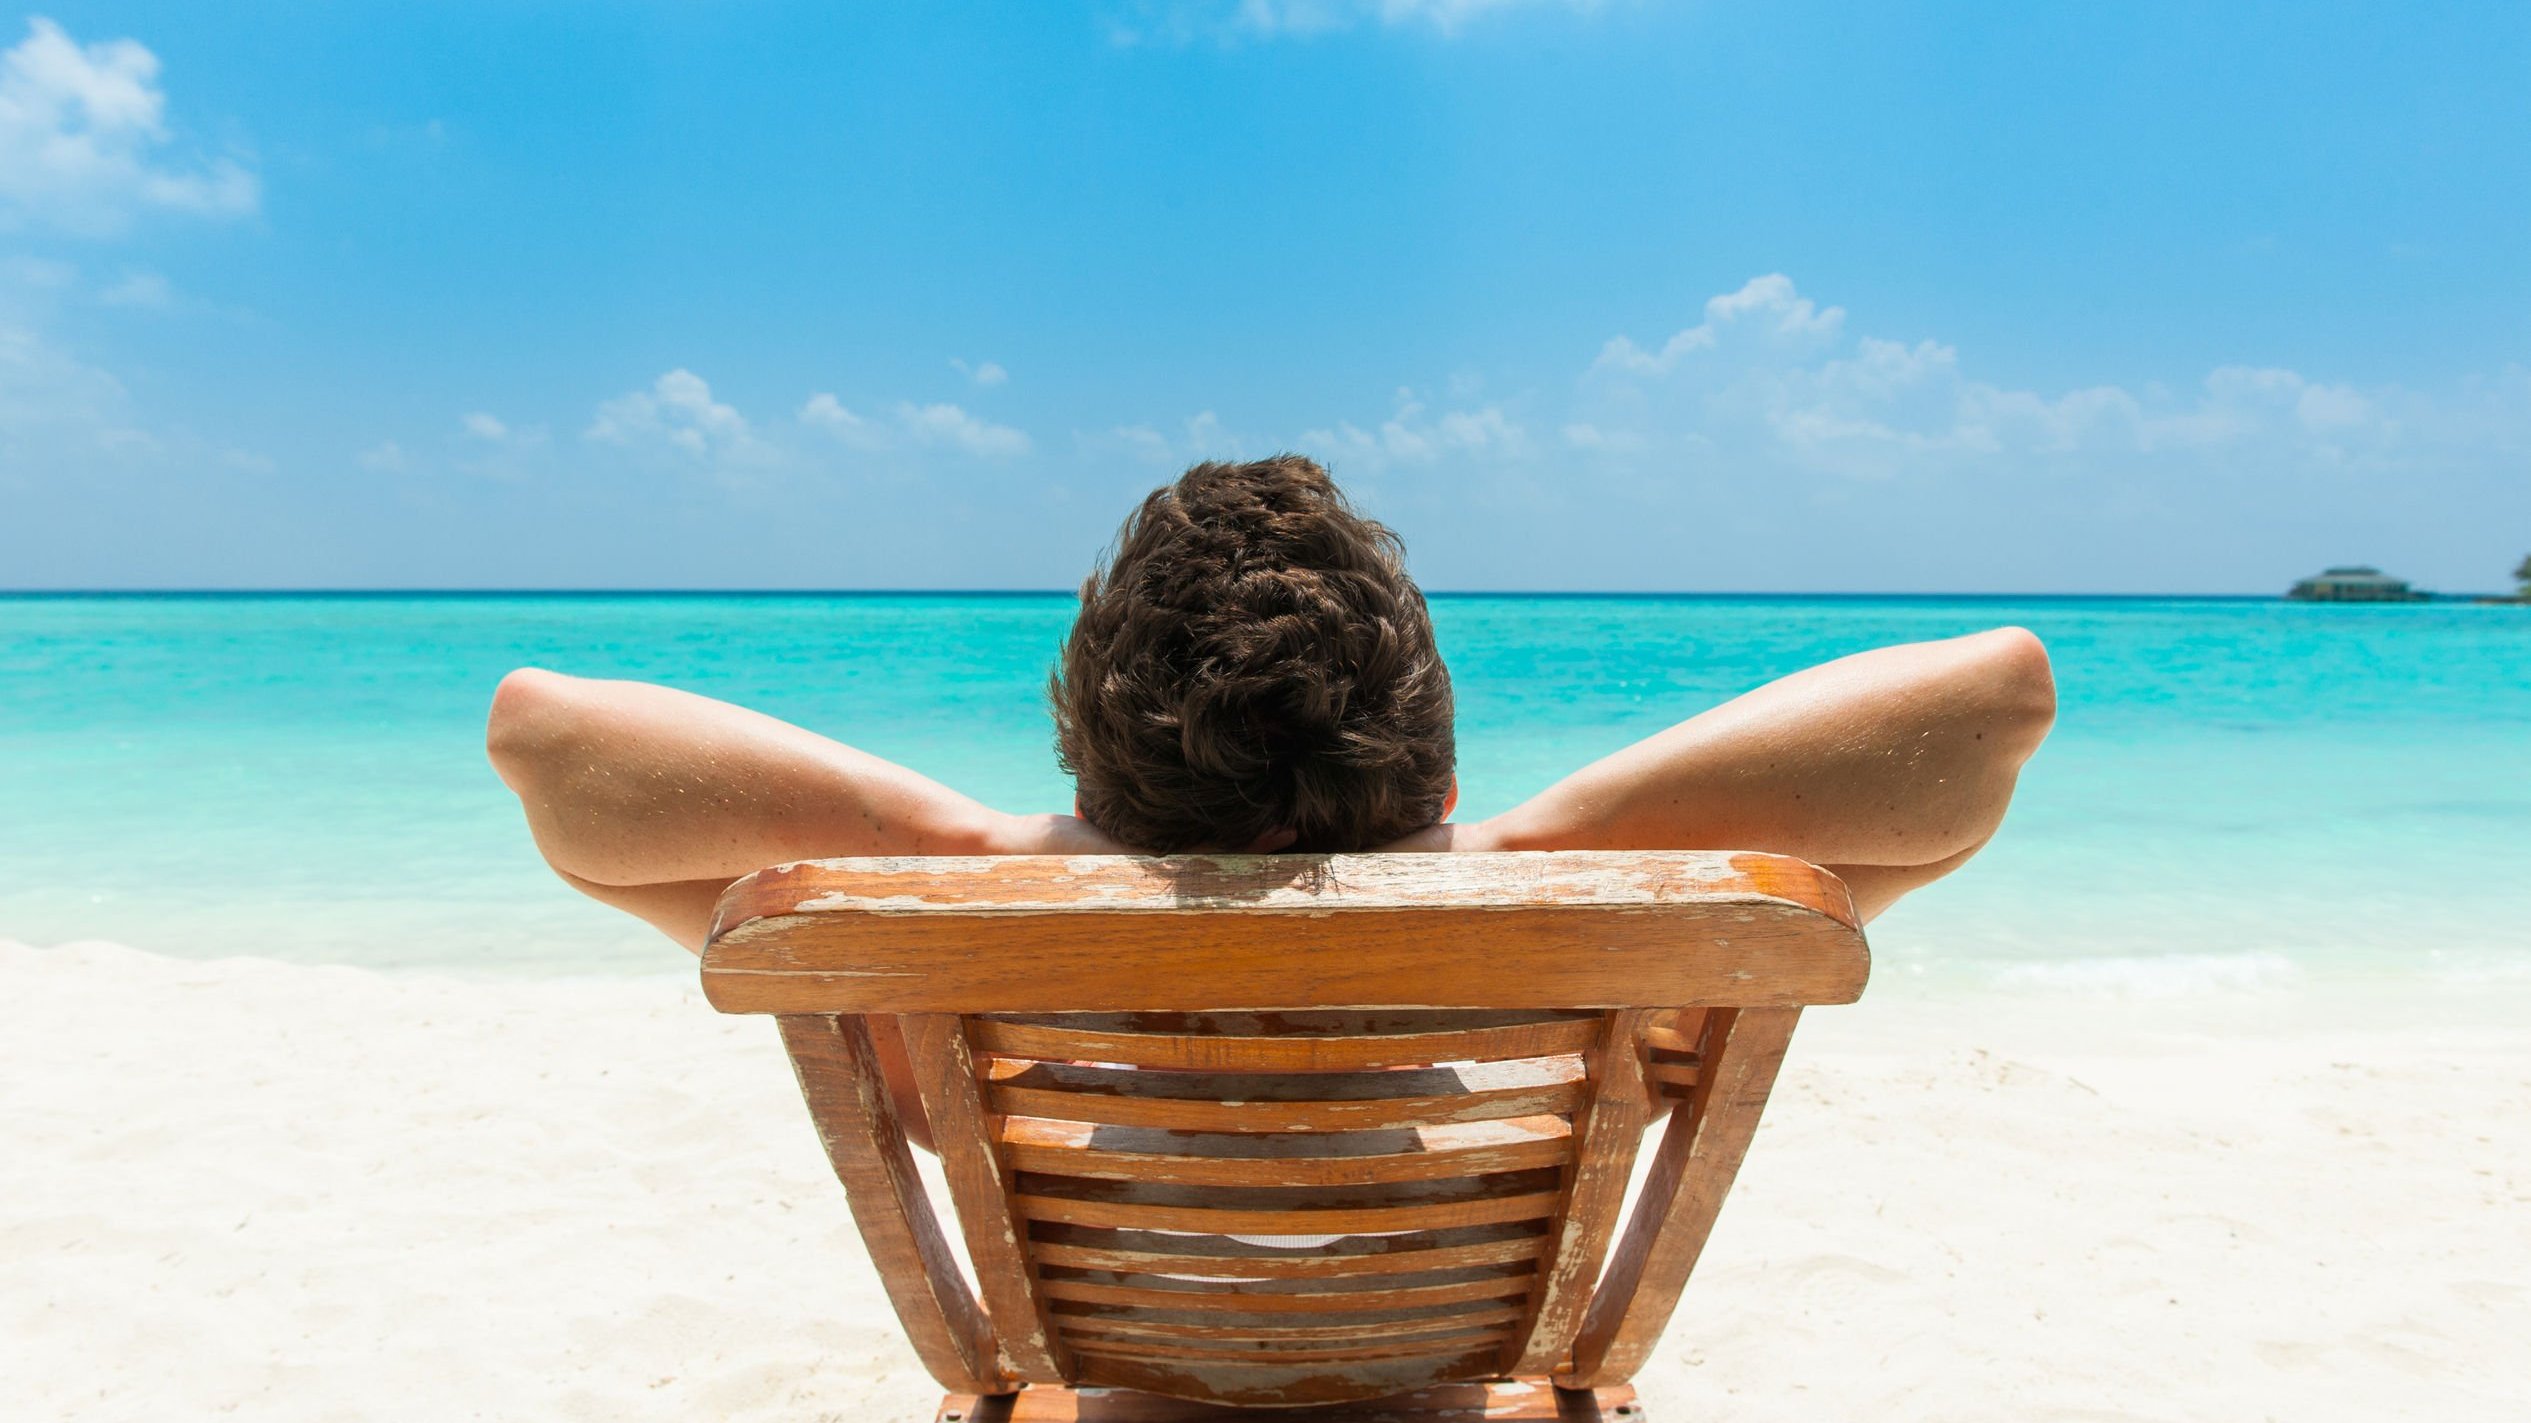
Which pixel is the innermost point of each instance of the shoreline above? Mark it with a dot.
(309, 1191)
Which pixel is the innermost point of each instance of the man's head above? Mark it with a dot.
(1254, 670)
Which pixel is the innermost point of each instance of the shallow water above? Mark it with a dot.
(2240, 793)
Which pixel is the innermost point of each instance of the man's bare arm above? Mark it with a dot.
(654, 800)
(1890, 767)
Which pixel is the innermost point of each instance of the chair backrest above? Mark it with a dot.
(1288, 1129)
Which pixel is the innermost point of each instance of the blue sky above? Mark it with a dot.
(1631, 294)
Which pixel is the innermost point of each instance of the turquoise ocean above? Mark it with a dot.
(2240, 793)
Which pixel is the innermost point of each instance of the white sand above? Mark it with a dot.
(302, 1193)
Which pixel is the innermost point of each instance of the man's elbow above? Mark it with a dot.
(2020, 686)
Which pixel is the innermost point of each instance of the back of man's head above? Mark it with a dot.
(1254, 664)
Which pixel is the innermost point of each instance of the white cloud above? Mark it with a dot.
(1180, 21)
(83, 140)
(1771, 401)
(1583, 435)
(677, 413)
(824, 412)
(1414, 435)
(1144, 443)
(990, 373)
(147, 291)
(384, 457)
(1201, 437)
(49, 395)
(1770, 375)
(1765, 313)
(940, 425)
(945, 424)
(37, 273)
(484, 426)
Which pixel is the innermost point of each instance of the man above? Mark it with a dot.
(1254, 671)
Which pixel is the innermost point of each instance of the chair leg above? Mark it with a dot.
(1511, 1401)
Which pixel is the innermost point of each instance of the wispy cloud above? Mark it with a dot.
(144, 291)
(1199, 437)
(85, 145)
(946, 424)
(987, 373)
(940, 424)
(1416, 434)
(677, 415)
(1769, 374)
(52, 400)
(1183, 21)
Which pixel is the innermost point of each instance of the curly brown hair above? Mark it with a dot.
(1253, 660)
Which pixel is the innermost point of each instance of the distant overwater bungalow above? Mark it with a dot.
(2355, 583)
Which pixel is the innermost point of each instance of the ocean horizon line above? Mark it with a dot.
(1613, 594)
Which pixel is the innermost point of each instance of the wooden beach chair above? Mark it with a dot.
(1286, 1130)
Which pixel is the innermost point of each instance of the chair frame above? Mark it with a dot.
(1694, 967)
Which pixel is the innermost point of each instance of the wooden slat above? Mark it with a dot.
(1386, 1141)
(1425, 1215)
(1282, 1385)
(1516, 1271)
(1699, 1155)
(1453, 1343)
(1154, 1325)
(1258, 1102)
(1297, 1054)
(1286, 1171)
(1209, 887)
(980, 1184)
(1335, 1159)
(838, 1070)
(1298, 1022)
(1674, 1079)
(1513, 1401)
(1253, 1245)
(1122, 933)
(1605, 1138)
(1662, 1034)
(1232, 1257)
(1415, 1205)
(1317, 1302)
(1298, 1267)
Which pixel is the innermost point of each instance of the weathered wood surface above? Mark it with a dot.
(1294, 1266)
(1148, 1075)
(980, 1185)
(1062, 1148)
(1150, 1324)
(1224, 1052)
(1299, 1210)
(1513, 1402)
(1266, 1350)
(839, 1075)
(1516, 1271)
(1604, 1137)
(1566, 929)
(1144, 1251)
(1315, 1302)
(1266, 1102)
(1281, 1385)
(1683, 1193)
(1422, 1215)
(1204, 885)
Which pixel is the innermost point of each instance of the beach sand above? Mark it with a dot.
(315, 1193)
